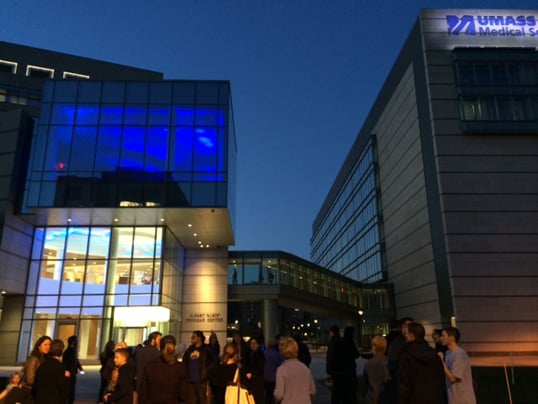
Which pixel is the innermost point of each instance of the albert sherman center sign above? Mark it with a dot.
(204, 318)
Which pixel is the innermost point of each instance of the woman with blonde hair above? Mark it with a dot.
(294, 381)
(376, 372)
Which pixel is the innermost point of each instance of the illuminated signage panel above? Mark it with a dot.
(462, 27)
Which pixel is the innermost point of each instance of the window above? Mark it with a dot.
(8, 67)
(70, 75)
(496, 85)
(39, 72)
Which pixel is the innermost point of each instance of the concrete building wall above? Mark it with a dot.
(409, 255)
(488, 187)
(205, 293)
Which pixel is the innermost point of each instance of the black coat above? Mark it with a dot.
(50, 385)
(344, 355)
(162, 381)
(219, 378)
(420, 376)
(256, 365)
(123, 391)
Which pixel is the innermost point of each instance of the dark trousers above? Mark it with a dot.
(344, 389)
(269, 392)
(196, 393)
(72, 386)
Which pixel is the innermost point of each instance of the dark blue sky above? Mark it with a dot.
(304, 75)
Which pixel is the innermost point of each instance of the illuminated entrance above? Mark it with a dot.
(100, 283)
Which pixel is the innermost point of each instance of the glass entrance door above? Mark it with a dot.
(131, 335)
(65, 330)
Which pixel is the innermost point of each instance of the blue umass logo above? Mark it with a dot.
(457, 24)
(492, 25)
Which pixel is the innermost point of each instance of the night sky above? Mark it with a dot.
(304, 75)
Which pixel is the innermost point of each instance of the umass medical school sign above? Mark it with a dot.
(488, 25)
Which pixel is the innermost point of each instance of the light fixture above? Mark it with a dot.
(195, 234)
(116, 219)
(68, 220)
(162, 219)
(189, 225)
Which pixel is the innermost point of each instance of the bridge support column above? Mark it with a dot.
(270, 323)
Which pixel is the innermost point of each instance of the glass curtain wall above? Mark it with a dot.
(348, 239)
(80, 275)
(132, 144)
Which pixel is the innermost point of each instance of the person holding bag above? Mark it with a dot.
(223, 375)
(236, 393)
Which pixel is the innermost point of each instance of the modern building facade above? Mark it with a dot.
(439, 193)
(118, 202)
(117, 212)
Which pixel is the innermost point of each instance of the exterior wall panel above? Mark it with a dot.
(404, 205)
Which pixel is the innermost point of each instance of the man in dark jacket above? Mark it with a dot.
(149, 352)
(199, 360)
(345, 368)
(420, 376)
(72, 364)
(334, 337)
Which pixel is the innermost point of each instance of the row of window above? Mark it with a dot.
(498, 108)
(138, 92)
(19, 96)
(246, 271)
(355, 244)
(7, 66)
(496, 73)
(498, 90)
(347, 223)
(89, 192)
(363, 166)
(77, 149)
(133, 115)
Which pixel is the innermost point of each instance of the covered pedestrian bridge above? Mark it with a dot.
(283, 294)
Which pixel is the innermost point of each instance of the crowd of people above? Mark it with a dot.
(155, 372)
(403, 368)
